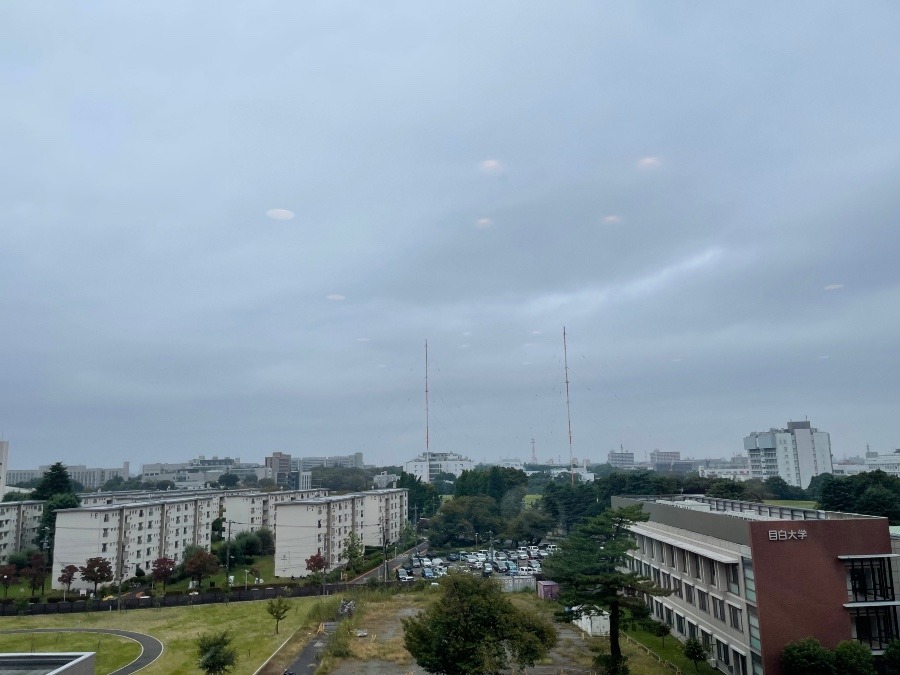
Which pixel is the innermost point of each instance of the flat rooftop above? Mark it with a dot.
(744, 510)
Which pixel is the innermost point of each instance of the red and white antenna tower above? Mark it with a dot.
(534, 459)
(568, 407)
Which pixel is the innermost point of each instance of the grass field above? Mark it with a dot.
(796, 503)
(113, 651)
(178, 627)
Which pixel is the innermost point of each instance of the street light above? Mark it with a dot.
(245, 579)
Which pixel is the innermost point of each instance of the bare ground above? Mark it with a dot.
(382, 652)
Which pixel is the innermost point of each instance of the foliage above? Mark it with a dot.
(35, 572)
(266, 541)
(9, 576)
(16, 496)
(473, 628)
(422, 496)
(493, 482)
(47, 531)
(162, 570)
(529, 527)
(460, 519)
(215, 655)
(874, 493)
(341, 479)
(228, 480)
(278, 609)
(353, 553)
(316, 563)
(807, 657)
(55, 481)
(96, 571)
(891, 657)
(591, 568)
(20, 558)
(853, 658)
(569, 504)
(696, 651)
(199, 565)
(67, 576)
(662, 630)
(725, 488)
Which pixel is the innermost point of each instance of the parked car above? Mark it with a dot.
(526, 571)
(416, 562)
(436, 562)
(452, 557)
(428, 573)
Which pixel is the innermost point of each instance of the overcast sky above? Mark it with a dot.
(230, 228)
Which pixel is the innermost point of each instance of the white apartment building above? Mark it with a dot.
(251, 511)
(796, 453)
(4, 461)
(20, 523)
(323, 525)
(428, 465)
(131, 536)
(889, 463)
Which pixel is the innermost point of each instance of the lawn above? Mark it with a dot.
(113, 651)
(178, 627)
(670, 651)
(795, 503)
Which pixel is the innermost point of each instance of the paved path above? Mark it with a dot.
(151, 648)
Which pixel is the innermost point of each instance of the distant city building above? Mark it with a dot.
(428, 465)
(664, 457)
(385, 479)
(621, 460)
(200, 472)
(889, 463)
(20, 523)
(90, 478)
(795, 454)
(4, 458)
(511, 463)
(734, 474)
(354, 461)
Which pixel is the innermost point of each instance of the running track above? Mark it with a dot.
(151, 648)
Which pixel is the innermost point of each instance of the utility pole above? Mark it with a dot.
(228, 552)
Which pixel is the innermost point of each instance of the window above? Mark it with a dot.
(722, 652)
(676, 588)
(869, 580)
(734, 584)
(681, 560)
(753, 622)
(711, 577)
(692, 630)
(695, 565)
(734, 615)
(718, 609)
(874, 626)
(666, 581)
(749, 580)
(703, 600)
(706, 638)
(679, 623)
(103, 548)
(689, 594)
(669, 617)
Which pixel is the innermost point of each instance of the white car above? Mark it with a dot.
(426, 562)
(526, 571)
(481, 557)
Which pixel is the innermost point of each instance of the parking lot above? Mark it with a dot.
(431, 565)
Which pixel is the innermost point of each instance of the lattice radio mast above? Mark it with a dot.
(568, 406)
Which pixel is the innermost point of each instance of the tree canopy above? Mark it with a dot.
(96, 571)
(215, 655)
(460, 519)
(591, 568)
(474, 629)
(56, 481)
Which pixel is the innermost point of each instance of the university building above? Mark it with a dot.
(748, 578)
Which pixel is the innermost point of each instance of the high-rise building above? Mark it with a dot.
(796, 454)
(428, 465)
(621, 460)
(4, 459)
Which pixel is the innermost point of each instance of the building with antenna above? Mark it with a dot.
(428, 465)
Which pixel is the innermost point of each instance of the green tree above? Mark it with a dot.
(725, 488)
(879, 501)
(662, 630)
(215, 655)
(55, 481)
(278, 608)
(96, 571)
(891, 657)
(853, 658)
(529, 527)
(474, 629)
(266, 540)
(16, 496)
(837, 495)
(46, 538)
(228, 480)
(591, 568)
(421, 495)
(353, 553)
(807, 657)
(695, 651)
(461, 518)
